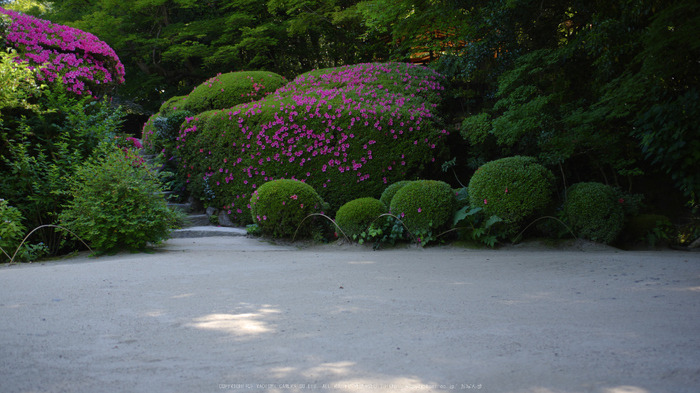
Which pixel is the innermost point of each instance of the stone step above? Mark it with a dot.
(184, 207)
(207, 231)
(198, 220)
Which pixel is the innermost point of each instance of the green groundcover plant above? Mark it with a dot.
(117, 203)
(346, 131)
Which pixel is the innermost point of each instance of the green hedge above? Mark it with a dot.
(424, 206)
(512, 188)
(594, 211)
(347, 131)
(390, 191)
(356, 216)
(280, 206)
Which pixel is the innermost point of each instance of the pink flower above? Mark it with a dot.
(419, 210)
(485, 202)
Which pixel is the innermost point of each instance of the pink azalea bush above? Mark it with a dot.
(84, 63)
(348, 132)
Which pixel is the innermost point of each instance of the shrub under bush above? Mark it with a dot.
(512, 188)
(231, 89)
(594, 211)
(356, 216)
(390, 191)
(424, 206)
(347, 131)
(280, 206)
(117, 203)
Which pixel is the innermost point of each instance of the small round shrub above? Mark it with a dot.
(594, 211)
(171, 105)
(231, 89)
(279, 206)
(390, 191)
(116, 202)
(356, 216)
(424, 205)
(512, 188)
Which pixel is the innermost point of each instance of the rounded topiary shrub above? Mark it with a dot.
(594, 211)
(173, 104)
(512, 188)
(390, 191)
(356, 216)
(424, 206)
(280, 206)
(231, 89)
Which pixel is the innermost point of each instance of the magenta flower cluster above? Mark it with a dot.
(348, 132)
(79, 58)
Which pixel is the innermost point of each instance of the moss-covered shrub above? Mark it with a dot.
(390, 191)
(512, 188)
(173, 104)
(347, 131)
(594, 211)
(356, 216)
(425, 206)
(280, 206)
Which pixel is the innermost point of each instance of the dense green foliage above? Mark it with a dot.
(425, 207)
(512, 188)
(117, 203)
(348, 132)
(42, 146)
(356, 216)
(389, 192)
(280, 206)
(594, 211)
(168, 47)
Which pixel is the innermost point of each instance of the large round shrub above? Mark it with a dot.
(280, 206)
(594, 211)
(85, 64)
(424, 206)
(356, 216)
(347, 131)
(116, 202)
(390, 191)
(513, 188)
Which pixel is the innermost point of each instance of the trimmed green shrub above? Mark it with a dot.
(512, 188)
(117, 203)
(160, 133)
(231, 89)
(356, 216)
(424, 206)
(348, 132)
(594, 211)
(279, 206)
(390, 191)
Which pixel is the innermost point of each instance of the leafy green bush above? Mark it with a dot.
(390, 191)
(424, 206)
(512, 188)
(356, 216)
(594, 211)
(41, 146)
(347, 131)
(11, 230)
(279, 206)
(117, 203)
(173, 104)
